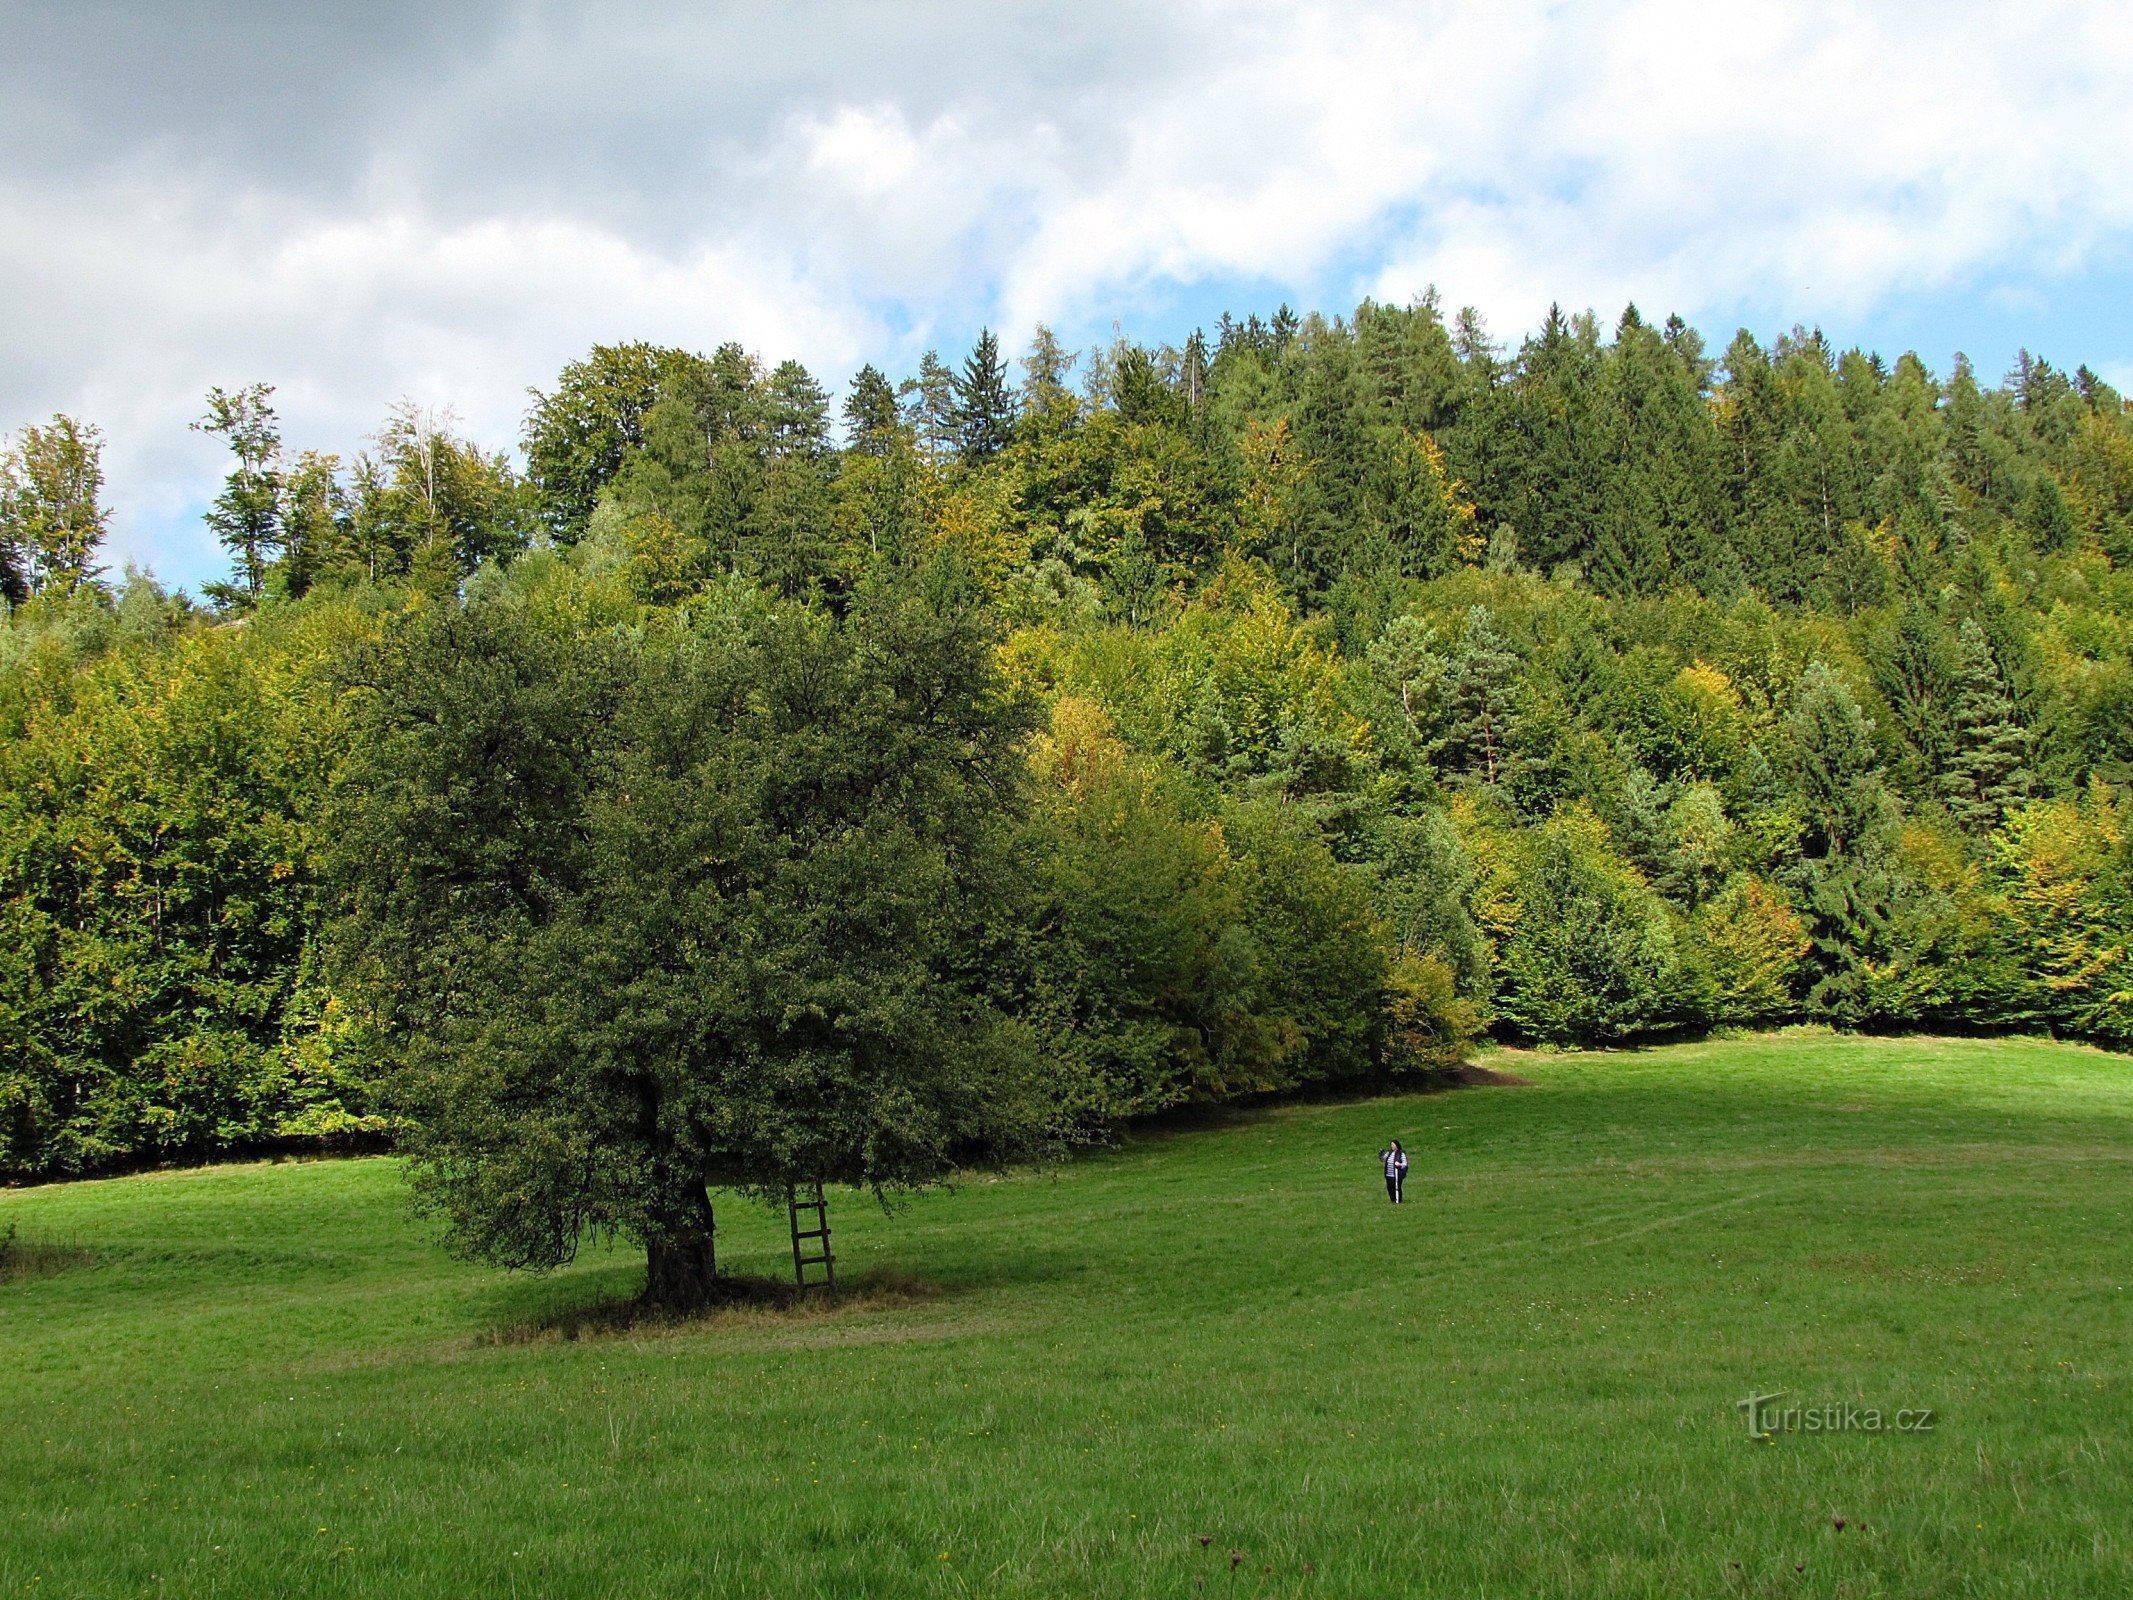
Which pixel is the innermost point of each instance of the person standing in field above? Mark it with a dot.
(1395, 1160)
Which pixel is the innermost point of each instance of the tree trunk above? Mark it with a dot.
(681, 1257)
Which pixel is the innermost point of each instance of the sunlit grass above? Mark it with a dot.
(1214, 1357)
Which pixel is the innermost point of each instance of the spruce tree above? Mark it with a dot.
(2049, 524)
(1847, 807)
(1480, 703)
(1640, 824)
(795, 412)
(1988, 770)
(1558, 476)
(1331, 431)
(1045, 371)
(984, 406)
(871, 418)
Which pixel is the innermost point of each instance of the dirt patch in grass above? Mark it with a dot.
(1484, 1077)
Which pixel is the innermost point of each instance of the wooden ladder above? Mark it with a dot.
(801, 1260)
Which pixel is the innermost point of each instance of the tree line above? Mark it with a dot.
(988, 756)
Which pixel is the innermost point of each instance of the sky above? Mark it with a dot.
(446, 202)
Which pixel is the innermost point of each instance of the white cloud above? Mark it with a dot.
(869, 148)
(847, 190)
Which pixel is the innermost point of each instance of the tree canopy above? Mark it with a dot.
(753, 783)
(637, 911)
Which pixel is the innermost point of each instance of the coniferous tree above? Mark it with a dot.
(1845, 874)
(984, 405)
(930, 403)
(871, 417)
(1480, 701)
(1332, 433)
(1640, 826)
(2045, 518)
(1046, 371)
(1661, 513)
(1987, 769)
(795, 413)
(1557, 474)
(1192, 382)
(1914, 667)
(1838, 769)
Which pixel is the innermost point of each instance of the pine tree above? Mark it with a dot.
(1480, 703)
(1847, 807)
(929, 402)
(795, 412)
(1640, 825)
(1988, 770)
(984, 406)
(1331, 432)
(1045, 371)
(871, 419)
(1558, 475)
(2045, 518)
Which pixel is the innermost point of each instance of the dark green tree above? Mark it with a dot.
(642, 912)
(1556, 472)
(1847, 807)
(1480, 703)
(984, 404)
(795, 413)
(2049, 524)
(1987, 769)
(871, 417)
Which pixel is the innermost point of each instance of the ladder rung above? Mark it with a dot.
(811, 1233)
(816, 1261)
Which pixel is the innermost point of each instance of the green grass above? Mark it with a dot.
(267, 1380)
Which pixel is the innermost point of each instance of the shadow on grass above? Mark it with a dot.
(22, 1258)
(738, 1301)
(1210, 1116)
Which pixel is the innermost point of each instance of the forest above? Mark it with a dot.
(1296, 706)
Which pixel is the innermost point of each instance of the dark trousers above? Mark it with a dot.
(1393, 1180)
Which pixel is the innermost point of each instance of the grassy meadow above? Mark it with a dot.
(1212, 1360)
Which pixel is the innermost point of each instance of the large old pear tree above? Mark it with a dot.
(639, 907)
